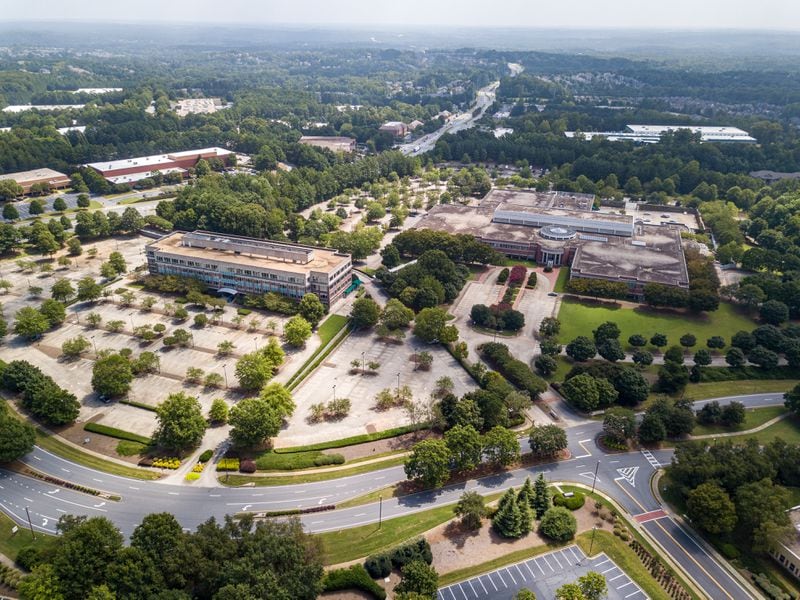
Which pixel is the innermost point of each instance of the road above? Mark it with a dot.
(625, 477)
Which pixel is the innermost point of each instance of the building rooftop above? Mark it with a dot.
(654, 255)
(34, 175)
(253, 252)
(155, 159)
(134, 177)
(331, 142)
(105, 90)
(530, 200)
(651, 134)
(17, 108)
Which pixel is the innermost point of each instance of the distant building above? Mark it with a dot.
(561, 228)
(333, 143)
(130, 170)
(199, 106)
(97, 91)
(414, 124)
(26, 179)
(252, 266)
(396, 128)
(773, 176)
(502, 131)
(651, 134)
(18, 108)
(788, 553)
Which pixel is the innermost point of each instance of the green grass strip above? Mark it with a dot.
(321, 353)
(120, 434)
(141, 405)
(351, 441)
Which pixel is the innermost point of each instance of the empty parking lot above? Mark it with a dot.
(543, 575)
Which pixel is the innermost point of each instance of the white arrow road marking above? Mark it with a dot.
(55, 491)
(589, 475)
(246, 506)
(321, 500)
(629, 474)
(99, 505)
(44, 522)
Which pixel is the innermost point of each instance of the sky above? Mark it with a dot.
(593, 14)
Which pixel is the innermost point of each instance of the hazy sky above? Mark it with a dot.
(661, 14)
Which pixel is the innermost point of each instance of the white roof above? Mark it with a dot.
(154, 160)
(66, 130)
(215, 150)
(105, 90)
(16, 108)
(134, 177)
(701, 129)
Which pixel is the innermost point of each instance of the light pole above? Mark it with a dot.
(380, 511)
(594, 481)
(255, 341)
(30, 524)
(334, 392)
(398, 385)
(363, 364)
(225, 370)
(95, 345)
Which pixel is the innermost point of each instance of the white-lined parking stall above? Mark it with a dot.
(543, 575)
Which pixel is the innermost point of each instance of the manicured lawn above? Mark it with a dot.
(10, 545)
(754, 417)
(561, 282)
(330, 327)
(235, 480)
(357, 542)
(580, 317)
(722, 389)
(787, 429)
(271, 461)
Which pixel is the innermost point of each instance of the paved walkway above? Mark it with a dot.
(733, 433)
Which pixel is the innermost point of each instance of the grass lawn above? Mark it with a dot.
(787, 429)
(722, 389)
(330, 327)
(271, 461)
(753, 418)
(63, 450)
(580, 317)
(235, 480)
(561, 282)
(356, 542)
(11, 544)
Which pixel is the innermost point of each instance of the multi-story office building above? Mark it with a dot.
(252, 266)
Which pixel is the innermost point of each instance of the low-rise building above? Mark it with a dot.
(651, 134)
(788, 553)
(396, 128)
(252, 266)
(26, 179)
(129, 170)
(330, 142)
(562, 228)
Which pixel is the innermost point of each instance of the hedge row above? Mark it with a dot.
(351, 441)
(271, 461)
(120, 434)
(574, 502)
(67, 484)
(713, 374)
(142, 405)
(355, 577)
(316, 359)
(380, 565)
(516, 371)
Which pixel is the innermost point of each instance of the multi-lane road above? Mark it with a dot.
(625, 477)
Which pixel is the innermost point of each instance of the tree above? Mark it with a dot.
(431, 325)
(743, 340)
(732, 414)
(225, 348)
(365, 313)
(688, 340)
(592, 585)
(709, 413)
(764, 358)
(84, 201)
(112, 375)
(53, 311)
(255, 369)
(652, 429)
(508, 519)
(545, 365)
(471, 509)
(108, 272)
(547, 440)
(637, 340)
(218, 413)
(464, 443)
(762, 505)
(702, 358)
(311, 309)
(16, 437)
(791, 399)
(30, 323)
(525, 594)
(619, 424)
(35, 207)
(59, 204)
(774, 312)
(581, 349)
(396, 315)
(429, 463)
(549, 327)
(581, 392)
(418, 578)
(296, 331)
(715, 342)
(74, 247)
(253, 421)
(74, 347)
(659, 340)
(611, 350)
(735, 357)
(541, 497)
(180, 422)
(642, 358)
(62, 290)
(606, 331)
(569, 591)
(390, 256)
(558, 524)
(89, 290)
(711, 509)
(10, 212)
(500, 446)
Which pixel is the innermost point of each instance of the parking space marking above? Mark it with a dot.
(462, 591)
(510, 574)
(473, 588)
(521, 574)
(603, 562)
(607, 570)
(485, 591)
(527, 566)
(617, 577)
(575, 554)
(555, 558)
(547, 562)
(500, 575)
(634, 593)
(624, 585)
(492, 581)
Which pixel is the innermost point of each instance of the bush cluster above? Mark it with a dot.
(574, 502)
(354, 577)
(380, 565)
(41, 395)
(516, 371)
(771, 591)
(503, 276)
(206, 455)
(228, 464)
(198, 468)
(247, 465)
(169, 462)
(517, 275)
(11, 577)
(497, 316)
(532, 279)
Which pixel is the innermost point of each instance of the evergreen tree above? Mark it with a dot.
(541, 496)
(507, 521)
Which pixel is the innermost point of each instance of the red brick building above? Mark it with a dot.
(130, 170)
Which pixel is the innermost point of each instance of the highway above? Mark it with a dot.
(624, 476)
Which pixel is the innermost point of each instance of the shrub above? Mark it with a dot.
(378, 566)
(558, 524)
(503, 276)
(729, 551)
(28, 557)
(247, 465)
(516, 371)
(206, 456)
(418, 549)
(228, 464)
(532, 279)
(167, 463)
(573, 502)
(517, 275)
(192, 476)
(354, 577)
(243, 311)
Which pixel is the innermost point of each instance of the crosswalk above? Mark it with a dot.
(651, 459)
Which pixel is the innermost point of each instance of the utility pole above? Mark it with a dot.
(30, 524)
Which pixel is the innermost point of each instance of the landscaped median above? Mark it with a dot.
(332, 332)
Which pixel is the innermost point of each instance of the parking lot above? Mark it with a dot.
(543, 575)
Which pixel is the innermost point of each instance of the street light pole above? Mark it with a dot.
(594, 482)
(255, 341)
(30, 524)
(363, 364)
(380, 511)
(334, 392)
(225, 370)
(398, 385)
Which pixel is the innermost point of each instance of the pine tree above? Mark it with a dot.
(541, 496)
(507, 521)
(526, 495)
(525, 514)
